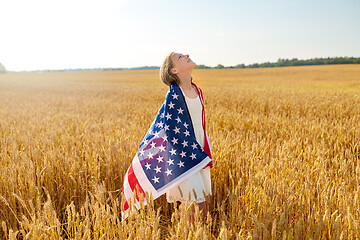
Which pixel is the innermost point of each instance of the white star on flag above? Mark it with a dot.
(157, 169)
(168, 172)
(171, 105)
(173, 152)
(176, 130)
(194, 146)
(170, 161)
(180, 111)
(142, 152)
(183, 154)
(162, 148)
(174, 140)
(193, 156)
(155, 179)
(160, 159)
(185, 143)
(187, 133)
(168, 116)
(147, 165)
(181, 164)
(175, 96)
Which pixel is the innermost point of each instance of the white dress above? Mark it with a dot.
(200, 182)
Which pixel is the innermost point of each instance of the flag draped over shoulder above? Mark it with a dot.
(169, 152)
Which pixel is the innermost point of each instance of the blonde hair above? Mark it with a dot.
(165, 71)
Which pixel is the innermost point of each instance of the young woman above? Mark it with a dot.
(174, 156)
(177, 68)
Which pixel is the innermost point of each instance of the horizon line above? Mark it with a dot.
(198, 66)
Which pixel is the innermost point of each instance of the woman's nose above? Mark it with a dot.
(187, 55)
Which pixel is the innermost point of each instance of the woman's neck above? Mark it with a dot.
(185, 81)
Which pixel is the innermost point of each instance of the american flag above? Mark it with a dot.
(169, 152)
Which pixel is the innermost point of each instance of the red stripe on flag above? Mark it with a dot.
(126, 206)
(133, 182)
(206, 143)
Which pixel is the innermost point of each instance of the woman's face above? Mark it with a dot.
(182, 63)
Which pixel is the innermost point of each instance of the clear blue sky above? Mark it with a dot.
(57, 34)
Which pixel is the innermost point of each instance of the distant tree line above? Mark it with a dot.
(280, 63)
(95, 69)
(291, 62)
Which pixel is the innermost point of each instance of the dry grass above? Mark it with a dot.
(286, 146)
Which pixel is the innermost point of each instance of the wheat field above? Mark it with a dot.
(285, 142)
